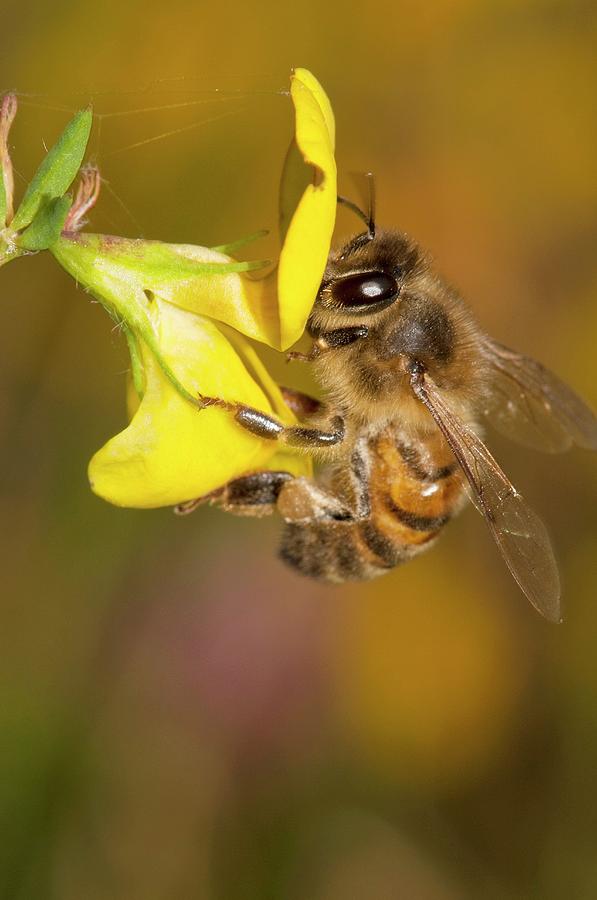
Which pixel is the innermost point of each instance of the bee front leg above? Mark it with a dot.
(265, 426)
(329, 340)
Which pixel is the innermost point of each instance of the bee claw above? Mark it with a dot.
(214, 401)
(295, 356)
(188, 506)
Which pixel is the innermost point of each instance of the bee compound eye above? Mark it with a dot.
(366, 289)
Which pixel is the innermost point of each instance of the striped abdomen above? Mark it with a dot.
(409, 490)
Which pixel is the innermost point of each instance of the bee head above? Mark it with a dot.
(363, 278)
(380, 306)
(379, 309)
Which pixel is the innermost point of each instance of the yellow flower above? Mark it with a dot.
(185, 309)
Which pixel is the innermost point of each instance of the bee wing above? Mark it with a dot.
(532, 405)
(520, 535)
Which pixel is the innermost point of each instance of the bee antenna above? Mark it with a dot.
(354, 208)
(371, 217)
(367, 217)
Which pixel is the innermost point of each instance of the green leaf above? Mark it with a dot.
(47, 225)
(57, 170)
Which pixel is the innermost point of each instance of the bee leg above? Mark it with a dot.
(302, 501)
(297, 356)
(301, 404)
(265, 426)
(329, 340)
(341, 337)
(307, 436)
(249, 495)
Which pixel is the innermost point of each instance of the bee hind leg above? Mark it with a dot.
(321, 536)
(250, 495)
(303, 502)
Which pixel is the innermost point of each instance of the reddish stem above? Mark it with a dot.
(8, 110)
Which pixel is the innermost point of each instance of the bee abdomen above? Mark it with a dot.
(338, 552)
(403, 497)
(324, 551)
(413, 520)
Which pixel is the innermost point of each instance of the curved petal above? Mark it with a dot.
(308, 229)
(171, 451)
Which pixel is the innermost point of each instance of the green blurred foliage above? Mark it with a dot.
(179, 715)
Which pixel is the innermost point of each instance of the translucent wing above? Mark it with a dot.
(532, 405)
(518, 532)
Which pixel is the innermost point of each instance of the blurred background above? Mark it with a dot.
(181, 717)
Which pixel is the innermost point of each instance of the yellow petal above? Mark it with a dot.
(171, 451)
(308, 229)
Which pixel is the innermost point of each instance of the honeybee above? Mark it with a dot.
(407, 376)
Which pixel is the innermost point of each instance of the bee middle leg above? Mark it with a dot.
(265, 426)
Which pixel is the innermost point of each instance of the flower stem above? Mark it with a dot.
(8, 110)
(8, 251)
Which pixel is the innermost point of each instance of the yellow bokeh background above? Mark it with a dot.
(180, 716)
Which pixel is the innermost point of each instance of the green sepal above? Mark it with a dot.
(137, 370)
(47, 225)
(241, 242)
(57, 171)
(153, 264)
(119, 291)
